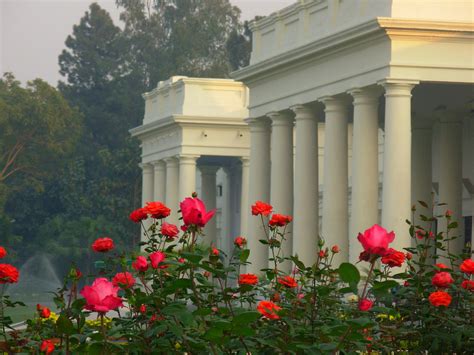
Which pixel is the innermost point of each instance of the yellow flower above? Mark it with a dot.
(177, 346)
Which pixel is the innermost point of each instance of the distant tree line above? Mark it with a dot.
(68, 167)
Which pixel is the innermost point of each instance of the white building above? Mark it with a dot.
(390, 85)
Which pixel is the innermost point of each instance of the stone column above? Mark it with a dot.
(259, 189)
(450, 175)
(208, 191)
(281, 192)
(147, 191)
(244, 197)
(335, 195)
(306, 188)
(187, 176)
(365, 181)
(396, 190)
(171, 195)
(159, 181)
(421, 167)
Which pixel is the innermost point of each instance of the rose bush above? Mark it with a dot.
(178, 295)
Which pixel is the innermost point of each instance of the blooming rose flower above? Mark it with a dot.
(156, 258)
(280, 220)
(276, 297)
(440, 298)
(47, 346)
(261, 208)
(365, 305)
(123, 280)
(376, 239)
(143, 309)
(103, 245)
(335, 249)
(268, 309)
(214, 251)
(240, 242)
(442, 279)
(194, 212)
(138, 215)
(8, 274)
(141, 264)
(393, 258)
(169, 230)
(157, 210)
(441, 266)
(468, 285)
(45, 312)
(287, 281)
(181, 260)
(101, 296)
(467, 266)
(3, 252)
(248, 279)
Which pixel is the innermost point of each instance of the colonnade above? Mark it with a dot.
(292, 185)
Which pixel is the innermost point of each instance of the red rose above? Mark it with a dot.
(169, 230)
(365, 305)
(194, 212)
(101, 296)
(375, 240)
(156, 258)
(47, 346)
(142, 309)
(138, 215)
(440, 298)
(45, 312)
(420, 234)
(467, 266)
(393, 258)
(8, 274)
(103, 245)
(364, 256)
(3, 252)
(268, 309)
(409, 255)
(261, 208)
(240, 242)
(181, 260)
(157, 210)
(287, 281)
(141, 264)
(280, 220)
(449, 213)
(468, 285)
(442, 279)
(248, 279)
(76, 273)
(441, 266)
(123, 280)
(335, 249)
(322, 254)
(214, 251)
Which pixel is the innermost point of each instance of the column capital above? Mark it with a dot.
(158, 164)
(280, 118)
(245, 161)
(208, 169)
(332, 104)
(187, 158)
(303, 112)
(146, 167)
(398, 87)
(261, 124)
(443, 115)
(365, 96)
(171, 161)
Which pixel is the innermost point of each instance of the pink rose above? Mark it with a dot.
(169, 230)
(156, 258)
(194, 212)
(375, 240)
(141, 264)
(101, 296)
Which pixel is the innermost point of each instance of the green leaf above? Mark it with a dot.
(349, 273)
(384, 285)
(244, 255)
(298, 263)
(194, 258)
(453, 225)
(65, 325)
(245, 318)
(423, 203)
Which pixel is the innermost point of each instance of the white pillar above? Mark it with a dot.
(259, 189)
(244, 197)
(335, 193)
(159, 185)
(421, 167)
(187, 176)
(365, 180)
(306, 188)
(281, 192)
(396, 189)
(450, 175)
(147, 190)
(208, 192)
(171, 195)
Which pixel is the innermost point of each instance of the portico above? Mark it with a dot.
(387, 70)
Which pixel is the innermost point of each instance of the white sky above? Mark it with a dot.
(32, 32)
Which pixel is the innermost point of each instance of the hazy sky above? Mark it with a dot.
(32, 32)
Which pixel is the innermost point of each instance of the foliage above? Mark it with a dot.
(186, 297)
